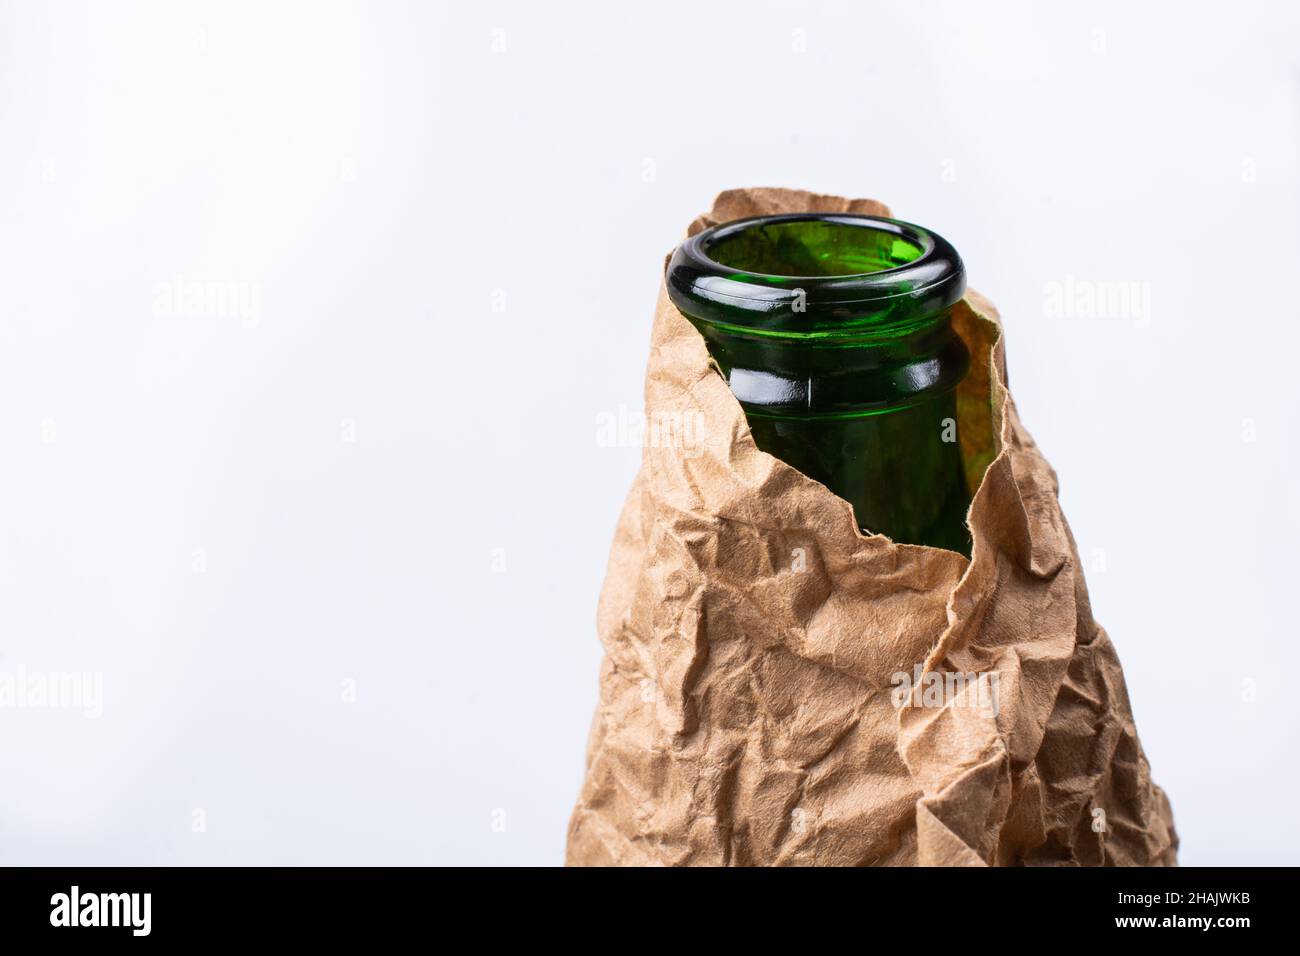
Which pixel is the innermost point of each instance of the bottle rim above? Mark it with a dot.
(706, 289)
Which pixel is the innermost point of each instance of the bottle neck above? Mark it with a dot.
(835, 333)
(779, 377)
(824, 315)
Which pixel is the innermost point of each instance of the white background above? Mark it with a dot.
(374, 477)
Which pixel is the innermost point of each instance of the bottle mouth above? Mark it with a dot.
(816, 275)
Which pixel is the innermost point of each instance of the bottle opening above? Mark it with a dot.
(816, 276)
(813, 248)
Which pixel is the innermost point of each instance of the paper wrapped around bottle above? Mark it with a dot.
(779, 688)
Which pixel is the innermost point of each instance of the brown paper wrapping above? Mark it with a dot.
(752, 633)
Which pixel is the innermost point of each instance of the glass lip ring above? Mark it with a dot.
(707, 290)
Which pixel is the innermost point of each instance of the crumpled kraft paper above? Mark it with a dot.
(753, 640)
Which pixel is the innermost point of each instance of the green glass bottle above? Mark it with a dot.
(835, 334)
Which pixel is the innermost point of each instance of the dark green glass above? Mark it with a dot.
(835, 334)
